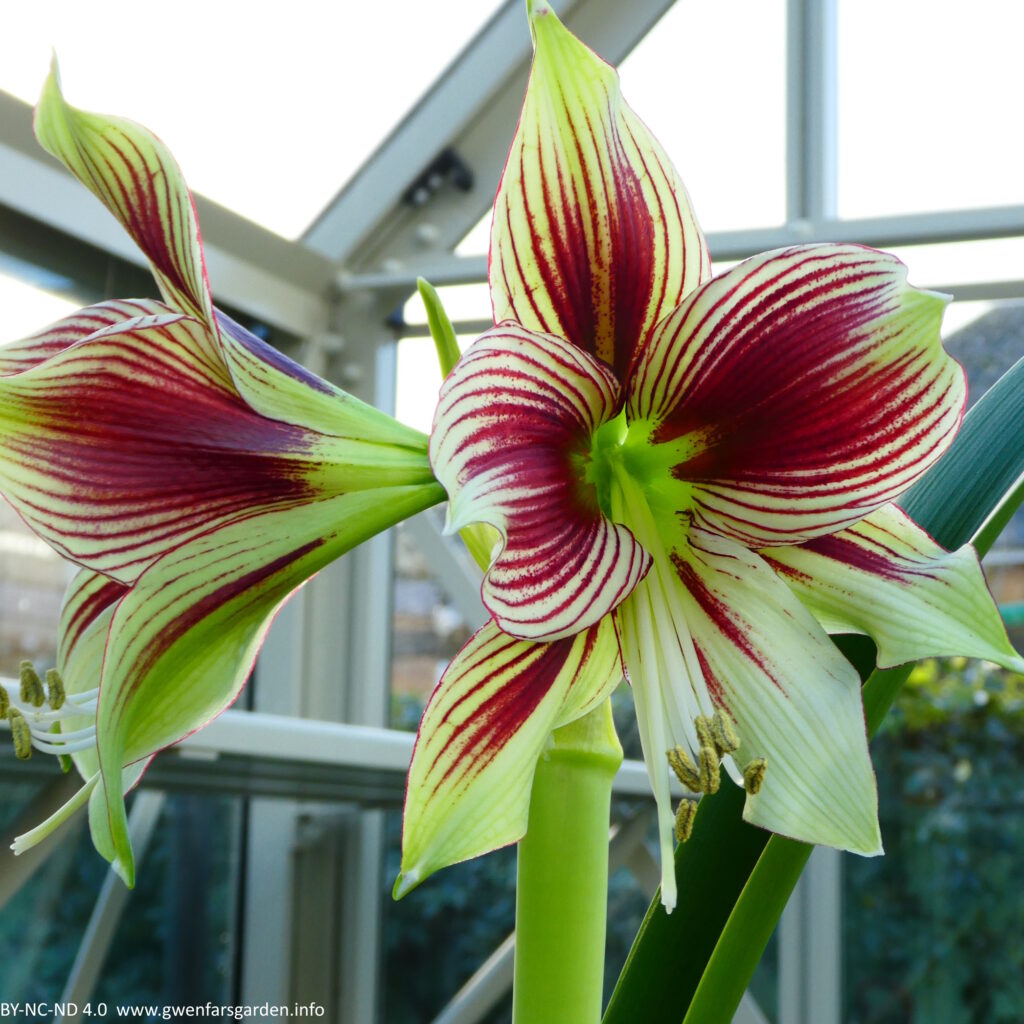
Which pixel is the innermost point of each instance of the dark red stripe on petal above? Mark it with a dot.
(724, 619)
(511, 443)
(593, 237)
(83, 607)
(802, 389)
(128, 442)
(843, 548)
(498, 718)
(241, 591)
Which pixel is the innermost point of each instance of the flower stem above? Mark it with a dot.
(562, 889)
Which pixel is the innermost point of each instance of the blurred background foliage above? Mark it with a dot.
(934, 931)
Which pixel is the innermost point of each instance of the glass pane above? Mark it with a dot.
(427, 631)
(987, 339)
(438, 935)
(477, 239)
(709, 80)
(270, 116)
(32, 581)
(953, 263)
(26, 309)
(928, 95)
(419, 376)
(166, 949)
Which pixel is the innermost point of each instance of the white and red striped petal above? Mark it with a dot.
(593, 237)
(887, 578)
(134, 175)
(127, 443)
(86, 612)
(138, 180)
(483, 729)
(84, 619)
(712, 626)
(123, 445)
(510, 444)
(37, 348)
(794, 698)
(183, 639)
(88, 608)
(799, 391)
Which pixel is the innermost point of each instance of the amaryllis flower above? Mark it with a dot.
(195, 474)
(692, 479)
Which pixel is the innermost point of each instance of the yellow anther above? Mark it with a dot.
(685, 814)
(710, 773)
(705, 737)
(55, 689)
(723, 732)
(32, 691)
(753, 775)
(686, 771)
(21, 733)
(5, 702)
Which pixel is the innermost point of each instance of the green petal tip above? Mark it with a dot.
(405, 883)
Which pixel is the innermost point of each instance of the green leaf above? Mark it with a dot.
(734, 880)
(981, 467)
(441, 329)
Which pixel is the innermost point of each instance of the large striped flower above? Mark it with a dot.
(691, 478)
(196, 475)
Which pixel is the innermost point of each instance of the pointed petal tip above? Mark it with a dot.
(405, 883)
(51, 95)
(872, 847)
(124, 868)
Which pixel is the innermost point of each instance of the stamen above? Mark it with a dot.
(32, 691)
(686, 812)
(21, 733)
(65, 762)
(723, 732)
(753, 775)
(55, 689)
(686, 771)
(705, 738)
(86, 698)
(5, 702)
(710, 769)
(62, 748)
(87, 732)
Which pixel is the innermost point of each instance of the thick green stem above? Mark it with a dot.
(562, 889)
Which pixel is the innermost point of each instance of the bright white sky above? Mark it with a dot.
(271, 114)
